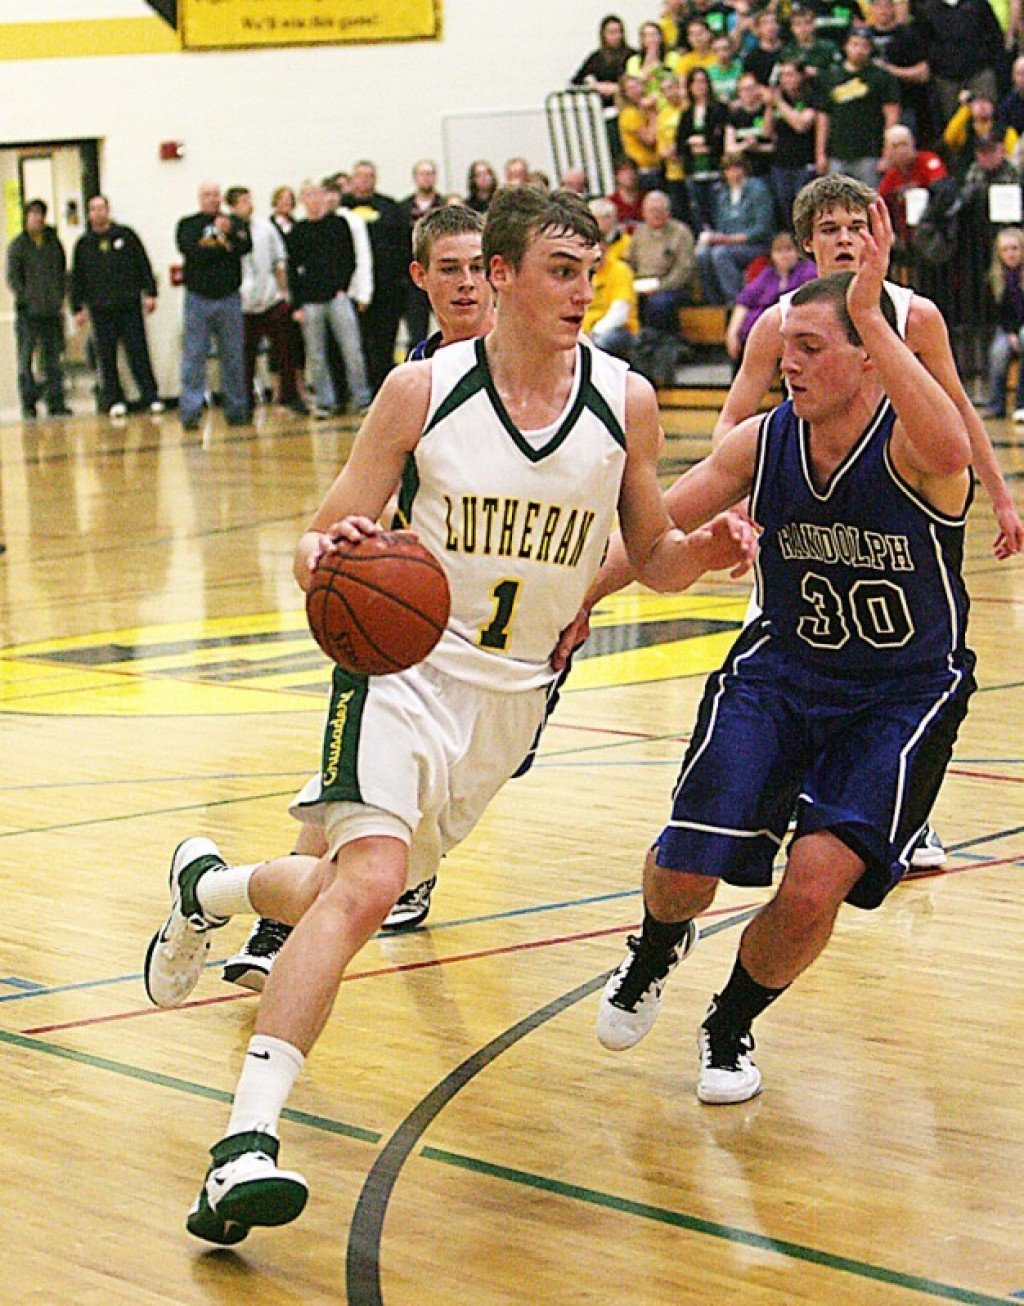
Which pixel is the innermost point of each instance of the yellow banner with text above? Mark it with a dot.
(226, 24)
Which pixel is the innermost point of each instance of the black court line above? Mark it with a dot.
(362, 1264)
(362, 1269)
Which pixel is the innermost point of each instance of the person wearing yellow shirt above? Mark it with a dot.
(673, 171)
(699, 37)
(611, 320)
(638, 125)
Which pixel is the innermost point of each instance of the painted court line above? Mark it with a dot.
(710, 1228)
(402, 967)
(538, 1182)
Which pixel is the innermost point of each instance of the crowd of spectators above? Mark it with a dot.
(728, 107)
(715, 119)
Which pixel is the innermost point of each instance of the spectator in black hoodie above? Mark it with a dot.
(112, 282)
(963, 47)
(37, 276)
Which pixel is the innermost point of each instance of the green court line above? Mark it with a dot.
(323, 1123)
(693, 1224)
(710, 1228)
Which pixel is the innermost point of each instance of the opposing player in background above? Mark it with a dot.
(513, 453)
(448, 265)
(830, 219)
(845, 694)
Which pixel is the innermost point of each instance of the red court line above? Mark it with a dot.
(958, 870)
(605, 730)
(369, 974)
(986, 775)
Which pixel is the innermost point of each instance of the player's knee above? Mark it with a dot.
(363, 891)
(807, 902)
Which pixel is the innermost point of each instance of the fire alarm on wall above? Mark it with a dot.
(171, 150)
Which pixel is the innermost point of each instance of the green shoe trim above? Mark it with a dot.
(189, 877)
(238, 1144)
(269, 1201)
(203, 1222)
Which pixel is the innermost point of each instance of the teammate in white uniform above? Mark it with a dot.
(514, 453)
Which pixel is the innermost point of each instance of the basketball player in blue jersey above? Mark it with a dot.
(830, 216)
(448, 264)
(514, 453)
(845, 694)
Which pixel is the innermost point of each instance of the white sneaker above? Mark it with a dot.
(177, 952)
(118, 410)
(928, 854)
(156, 408)
(243, 1188)
(632, 996)
(727, 1070)
(250, 966)
(411, 908)
(1018, 415)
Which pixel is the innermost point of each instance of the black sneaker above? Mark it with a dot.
(411, 909)
(250, 966)
(727, 1070)
(632, 996)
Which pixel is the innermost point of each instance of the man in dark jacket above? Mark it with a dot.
(37, 276)
(321, 267)
(112, 280)
(214, 244)
(391, 246)
(963, 47)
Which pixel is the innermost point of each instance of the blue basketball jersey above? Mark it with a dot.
(863, 576)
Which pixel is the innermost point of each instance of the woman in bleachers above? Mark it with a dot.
(481, 184)
(652, 63)
(700, 138)
(1005, 302)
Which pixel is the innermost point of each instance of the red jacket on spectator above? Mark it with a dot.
(925, 169)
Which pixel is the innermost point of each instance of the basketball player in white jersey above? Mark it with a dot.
(514, 453)
(830, 219)
(448, 264)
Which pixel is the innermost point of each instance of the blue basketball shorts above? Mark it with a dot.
(860, 758)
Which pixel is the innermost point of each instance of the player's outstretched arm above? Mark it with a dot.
(757, 372)
(931, 434)
(929, 339)
(662, 556)
(389, 433)
(695, 503)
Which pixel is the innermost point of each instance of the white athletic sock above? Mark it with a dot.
(225, 893)
(271, 1068)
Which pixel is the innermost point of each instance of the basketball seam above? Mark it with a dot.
(384, 657)
(394, 598)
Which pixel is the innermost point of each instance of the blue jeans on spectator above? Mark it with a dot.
(46, 334)
(721, 269)
(339, 316)
(701, 191)
(661, 310)
(1000, 355)
(220, 319)
(616, 340)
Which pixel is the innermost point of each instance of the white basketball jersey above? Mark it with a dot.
(900, 296)
(519, 521)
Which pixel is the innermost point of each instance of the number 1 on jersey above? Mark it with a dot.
(504, 594)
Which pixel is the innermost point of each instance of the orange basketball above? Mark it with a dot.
(378, 606)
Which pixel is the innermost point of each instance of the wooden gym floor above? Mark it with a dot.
(465, 1137)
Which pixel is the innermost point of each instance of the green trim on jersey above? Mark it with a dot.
(474, 381)
(571, 418)
(407, 492)
(596, 402)
(338, 769)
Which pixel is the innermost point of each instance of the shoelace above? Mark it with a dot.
(645, 971)
(268, 939)
(726, 1046)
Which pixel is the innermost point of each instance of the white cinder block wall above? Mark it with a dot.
(269, 117)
